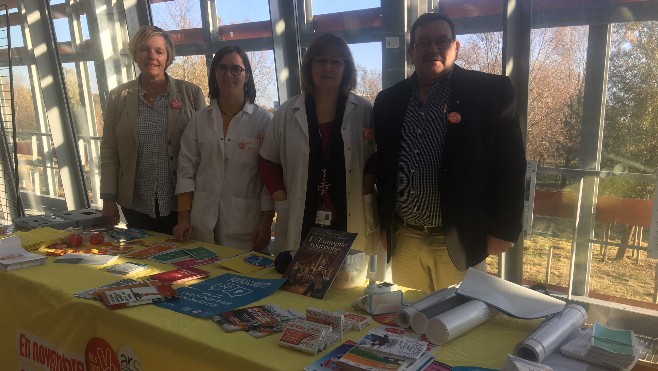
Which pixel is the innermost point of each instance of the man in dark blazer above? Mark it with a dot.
(450, 163)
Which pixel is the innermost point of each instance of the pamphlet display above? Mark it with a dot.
(13, 256)
(145, 292)
(603, 346)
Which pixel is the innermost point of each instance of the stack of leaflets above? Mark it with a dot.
(152, 250)
(330, 361)
(90, 294)
(126, 268)
(335, 320)
(179, 275)
(186, 257)
(82, 258)
(603, 346)
(259, 321)
(13, 256)
(306, 336)
(118, 234)
(381, 349)
(136, 294)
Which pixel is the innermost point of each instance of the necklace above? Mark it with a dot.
(227, 114)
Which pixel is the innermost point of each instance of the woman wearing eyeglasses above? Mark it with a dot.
(315, 152)
(143, 125)
(221, 197)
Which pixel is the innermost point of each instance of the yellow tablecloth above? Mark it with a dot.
(43, 325)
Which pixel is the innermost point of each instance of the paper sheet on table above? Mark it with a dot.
(508, 297)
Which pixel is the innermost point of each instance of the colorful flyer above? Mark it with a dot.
(249, 262)
(220, 294)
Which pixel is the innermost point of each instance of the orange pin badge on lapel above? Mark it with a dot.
(454, 117)
(175, 104)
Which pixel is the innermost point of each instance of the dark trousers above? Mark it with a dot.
(162, 224)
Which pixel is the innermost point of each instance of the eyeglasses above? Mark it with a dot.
(442, 43)
(332, 63)
(235, 70)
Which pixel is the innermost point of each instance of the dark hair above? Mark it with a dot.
(249, 85)
(427, 18)
(318, 47)
(147, 32)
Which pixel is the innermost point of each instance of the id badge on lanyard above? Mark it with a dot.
(323, 218)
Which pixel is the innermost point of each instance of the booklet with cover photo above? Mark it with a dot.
(315, 265)
(136, 294)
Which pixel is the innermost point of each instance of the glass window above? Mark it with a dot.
(481, 52)
(333, 6)
(368, 60)
(62, 31)
(262, 64)
(230, 12)
(176, 15)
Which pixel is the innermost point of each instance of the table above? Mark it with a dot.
(44, 324)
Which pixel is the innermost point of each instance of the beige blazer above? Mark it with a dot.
(119, 143)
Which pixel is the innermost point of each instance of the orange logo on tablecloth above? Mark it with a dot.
(99, 356)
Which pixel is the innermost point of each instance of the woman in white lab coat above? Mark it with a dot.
(315, 152)
(220, 193)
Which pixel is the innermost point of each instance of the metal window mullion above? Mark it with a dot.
(517, 27)
(394, 41)
(57, 110)
(88, 128)
(287, 49)
(37, 101)
(591, 139)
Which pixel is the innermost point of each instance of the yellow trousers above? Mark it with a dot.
(421, 261)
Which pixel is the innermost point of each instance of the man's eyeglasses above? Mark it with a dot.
(235, 70)
(332, 63)
(442, 43)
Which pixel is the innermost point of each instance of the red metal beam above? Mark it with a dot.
(356, 19)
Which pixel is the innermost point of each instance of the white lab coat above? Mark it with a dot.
(287, 143)
(223, 174)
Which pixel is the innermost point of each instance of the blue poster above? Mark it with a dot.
(220, 294)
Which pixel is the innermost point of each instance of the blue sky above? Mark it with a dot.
(369, 54)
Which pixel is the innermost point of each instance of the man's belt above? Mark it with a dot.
(425, 228)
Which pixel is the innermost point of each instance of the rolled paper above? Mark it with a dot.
(457, 321)
(403, 318)
(420, 318)
(551, 334)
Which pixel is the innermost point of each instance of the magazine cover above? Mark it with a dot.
(315, 265)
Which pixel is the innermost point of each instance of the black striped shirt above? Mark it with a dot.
(421, 148)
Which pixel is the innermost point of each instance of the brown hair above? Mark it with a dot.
(249, 85)
(318, 47)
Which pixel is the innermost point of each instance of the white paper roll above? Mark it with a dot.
(403, 318)
(551, 333)
(420, 318)
(455, 322)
